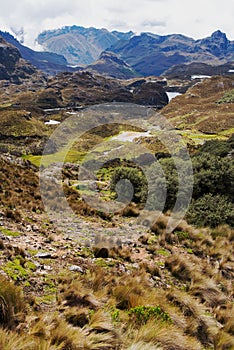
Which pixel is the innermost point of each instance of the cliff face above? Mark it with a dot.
(48, 62)
(9, 56)
(13, 67)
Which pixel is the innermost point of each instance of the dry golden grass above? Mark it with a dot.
(143, 346)
(167, 336)
(224, 341)
(12, 305)
(198, 108)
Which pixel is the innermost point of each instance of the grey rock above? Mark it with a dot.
(75, 268)
(43, 255)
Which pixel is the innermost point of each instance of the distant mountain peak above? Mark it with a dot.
(110, 64)
(108, 55)
(218, 34)
(80, 45)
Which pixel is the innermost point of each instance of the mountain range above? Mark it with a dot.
(80, 45)
(147, 53)
(125, 55)
(151, 54)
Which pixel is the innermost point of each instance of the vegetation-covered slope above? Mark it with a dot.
(204, 107)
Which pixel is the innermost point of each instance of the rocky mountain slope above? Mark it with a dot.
(129, 55)
(108, 63)
(111, 65)
(80, 45)
(207, 107)
(153, 54)
(186, 71)
(48, 62)
(13, 67)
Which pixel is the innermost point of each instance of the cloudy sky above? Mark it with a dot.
(195, 18)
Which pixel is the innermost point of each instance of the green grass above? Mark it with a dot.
(199, 138)
(71, 156)
(163, 252)
(10, 233)
(182, 235)
(228, 97)
(227, 132)
(142, 314)
(16, 271)
(46, 299)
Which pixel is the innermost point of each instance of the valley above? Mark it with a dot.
(116, 194)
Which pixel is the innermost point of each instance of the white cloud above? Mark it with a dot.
(193, 18)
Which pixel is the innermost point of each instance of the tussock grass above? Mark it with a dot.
(12, 304)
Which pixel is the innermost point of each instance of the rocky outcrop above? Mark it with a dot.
(13, 67)
(217, 44)
(151, 94)
(85, 88)
(48, 62)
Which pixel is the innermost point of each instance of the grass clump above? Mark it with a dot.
(141, 314)
(10, 233)
(19, 269)
(228, 97)
(11, 303)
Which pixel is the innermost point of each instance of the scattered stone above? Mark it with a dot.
(43, 255)
(75, 268)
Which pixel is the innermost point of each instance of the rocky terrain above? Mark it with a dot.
(25, 108)
(91, 278)
(48, 62)
(110, 65)
(204, 108)
(13, 67)
(186, 71)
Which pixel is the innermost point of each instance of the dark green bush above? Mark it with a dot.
(211, 211)
(216, 147)
(213, 175)
(138, 180)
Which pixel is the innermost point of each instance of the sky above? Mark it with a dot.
(194, 18)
